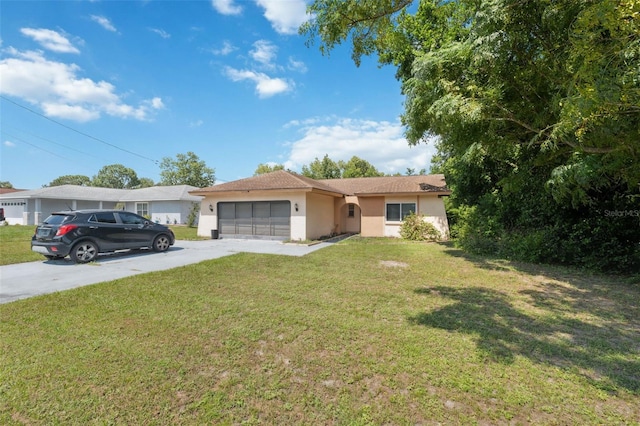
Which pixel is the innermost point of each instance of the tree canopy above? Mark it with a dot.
(116, 176)
(80, 180)
(186, 169)
(329, 169)
(267, 168)
(537, 108)
(322, 169)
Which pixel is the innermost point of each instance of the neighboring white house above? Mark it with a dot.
(162, 204)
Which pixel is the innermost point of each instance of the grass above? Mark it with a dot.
(367, 331)
(15, 242)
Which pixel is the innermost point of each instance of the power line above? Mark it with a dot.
(35, 146)
(78, 131)
(45, 139)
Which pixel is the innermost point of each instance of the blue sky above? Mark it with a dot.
(86, 84)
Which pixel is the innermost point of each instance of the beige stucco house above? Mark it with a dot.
(284, 205)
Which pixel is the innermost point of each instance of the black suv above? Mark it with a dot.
(82, 234)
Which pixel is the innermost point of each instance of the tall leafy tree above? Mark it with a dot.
(116, 176)
(537, 107)
(186, 169)
(267, 168)
(80, 180)
(6, 184)
(145, 182)
(322, 169)
(357, 167)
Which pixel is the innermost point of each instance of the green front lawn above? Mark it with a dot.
(367, 331)
(15, 242)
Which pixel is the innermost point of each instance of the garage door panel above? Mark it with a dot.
(261, 218)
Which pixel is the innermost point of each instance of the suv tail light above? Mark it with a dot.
(65, 229)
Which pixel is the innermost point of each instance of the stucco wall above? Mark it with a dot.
(320, 216)
(434, 212)
(372, 222)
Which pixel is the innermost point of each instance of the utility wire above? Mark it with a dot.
(35, 146)
(78, 131)
(4, 126)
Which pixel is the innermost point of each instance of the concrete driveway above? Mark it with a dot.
(34, 278)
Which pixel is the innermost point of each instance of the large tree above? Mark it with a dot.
(267, 168)
(116, 176)
(357, 167)
(80, 180)
(537, 106)
(322, 169)
(186, 169)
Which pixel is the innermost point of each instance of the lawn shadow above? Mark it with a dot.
(564, 318)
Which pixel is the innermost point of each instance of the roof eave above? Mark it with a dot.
(387, 194)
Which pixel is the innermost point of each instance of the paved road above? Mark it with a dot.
(34, 278)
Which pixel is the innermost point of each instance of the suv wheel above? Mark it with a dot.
(84, 252)
(161, 243)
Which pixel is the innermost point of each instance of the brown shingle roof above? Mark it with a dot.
(391, 185)
(285, 180)
(274, 181)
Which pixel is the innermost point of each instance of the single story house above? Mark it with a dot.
(285, 205)
(162, 204)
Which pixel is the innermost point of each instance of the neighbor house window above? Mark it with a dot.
(396, 212)
(142, 209)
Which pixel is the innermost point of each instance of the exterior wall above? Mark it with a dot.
(208, 219)
(431, 207)
(434, 212)
(164, 212)
(392, 228)
(342, 219)
(320, 216)
(372, 221)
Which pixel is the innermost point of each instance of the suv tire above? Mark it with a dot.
(84, 252)
(161, 243)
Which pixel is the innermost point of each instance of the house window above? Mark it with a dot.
(396, 212)
(352, 210)
(142, 209)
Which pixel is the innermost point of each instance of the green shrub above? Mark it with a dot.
(415, 228)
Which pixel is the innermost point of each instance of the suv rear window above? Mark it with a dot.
(58, 219)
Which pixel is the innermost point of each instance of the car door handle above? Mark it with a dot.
(93, 227)
(127, 229)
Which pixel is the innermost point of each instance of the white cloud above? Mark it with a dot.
(264, 52)
(285, 16)
(226, 48)
(196, 123)
(50, 39)
(381, 143)
(226, 7)
(298, 66)
(104, 23)
(265, 86)
(161, 33)
(9, 144)
(59, 91)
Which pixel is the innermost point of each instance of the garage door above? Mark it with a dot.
(260, 219)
